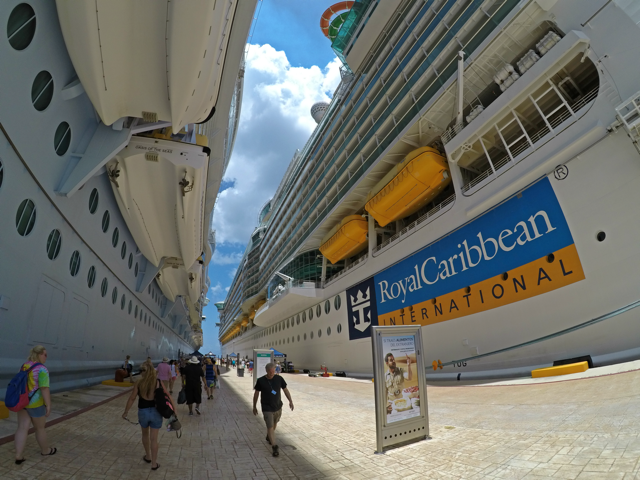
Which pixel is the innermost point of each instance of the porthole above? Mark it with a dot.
(74, 263)
(328, 331)
(287, 323)
(130, 307)
(21, 26)
(135, 270)
(42, 93)
(336, 303)
(1, 174)
(339, 328)
(305, 336)
(114, 295)
(91, 276)
(310, 314)
(327, 307)
(123, 250)
(149, 289)
(54, 242)
(505, 276)
(62, 139)
(298, 337)
(551, 257)
(298, 320)
(601, 236)
(26, 217)
(114, 237)
(319, 333)
(130, 260)
(318, 311)
(287, 339)
(104, 287)
(93, 201)
(135, 314)
(311, 335)
(105, 221)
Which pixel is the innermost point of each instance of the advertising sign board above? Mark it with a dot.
(400, 388)
(260, 360)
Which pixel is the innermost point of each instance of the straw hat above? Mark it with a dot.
(194, 360)
(165, 359)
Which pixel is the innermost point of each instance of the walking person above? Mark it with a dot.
(128, 366)
(269, 387)
(164, 372)
(192, 375)
(149, 418)
(210, 377)
(174, 375)
(39, 406)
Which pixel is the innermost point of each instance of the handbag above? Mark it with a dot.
(163, 402)
(182, 397)
(174, 425)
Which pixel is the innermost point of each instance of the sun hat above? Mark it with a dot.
(194, 360)
(165, 359)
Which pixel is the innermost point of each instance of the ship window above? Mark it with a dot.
(21, 26)
(105, 221)
(54, 242)
(327, 307)
(318, 311)
(104, 287)
(91, 276)
(130, 306)
(123, 250)
(25, 217)
(42, 91)
(287, 339)
(310, 314)
(305, 337)
(149, 289)
(339, 328)
(328, 331)
(123, 302)
(62, 138)
(114, 237)
(304, 317)
(74, 263)
(130, 260)
(135, 312)
(336, 303)
(319, 333)
(298, 320)
(114, 295)
(135, 270)
(93, 201)
(311, 335)
(298, 337)
(287, 323)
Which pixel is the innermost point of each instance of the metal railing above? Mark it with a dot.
(348, 268)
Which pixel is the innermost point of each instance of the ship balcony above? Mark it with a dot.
(287, 301)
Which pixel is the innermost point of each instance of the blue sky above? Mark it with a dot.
(290, 66)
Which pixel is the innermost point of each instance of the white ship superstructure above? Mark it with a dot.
(117, 121)
(474, 174)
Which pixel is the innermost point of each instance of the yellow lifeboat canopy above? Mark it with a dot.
(244, 322)
(349, 239)
(409, 186)
(252, 315)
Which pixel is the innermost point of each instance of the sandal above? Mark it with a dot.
(275, 451)
(156, 467)
(19, 462)
(144, 457)
(52, 451)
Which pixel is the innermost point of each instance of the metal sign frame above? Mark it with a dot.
(261, 353)
(415, 426)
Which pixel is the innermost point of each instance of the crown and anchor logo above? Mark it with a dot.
(360, 307)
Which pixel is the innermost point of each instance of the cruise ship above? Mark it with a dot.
(117, 121)
(475, 174)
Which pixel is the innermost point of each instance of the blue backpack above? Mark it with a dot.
(17, 396)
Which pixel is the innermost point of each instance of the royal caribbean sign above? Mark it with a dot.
(518, 250)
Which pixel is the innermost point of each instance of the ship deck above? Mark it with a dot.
(578, 426)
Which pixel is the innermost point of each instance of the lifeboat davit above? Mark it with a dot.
(349, 239)
(409, 186)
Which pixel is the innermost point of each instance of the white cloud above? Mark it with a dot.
(223, 259)
(275, 121)
(216, 289)
(232, 272)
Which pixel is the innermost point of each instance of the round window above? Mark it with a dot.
(310, 314)
(339, 328)
(305, 336)
(135, 270)
(318, 311)
(135, 314)
(123, 250)
(93, 201)
(105, 221)
(114, 295)
(114, 237)
(104, 287)
(328, 331)
(42, 91)
(298, 337)
(91, 276)
(327, 307)
(336, 302)
(311, 335)
(287, 323)
(54, 242)
(123, 302)
(62, 139)
(74, 263)
(298, 320)
(130, 306)
(304, 316)
(319, 333)
(21, 26)
(25, 217)
(130, 260)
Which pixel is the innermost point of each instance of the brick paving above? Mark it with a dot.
(584, 429)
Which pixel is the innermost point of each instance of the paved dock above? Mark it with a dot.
(587, 428)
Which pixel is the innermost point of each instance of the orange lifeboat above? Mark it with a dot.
(349, 239)
(409, 186)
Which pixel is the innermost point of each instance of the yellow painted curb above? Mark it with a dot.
(113, 383)
(560, 370)
(4, 411)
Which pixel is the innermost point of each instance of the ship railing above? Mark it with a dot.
(412, 226)
(348, 268)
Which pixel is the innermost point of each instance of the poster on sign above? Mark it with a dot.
(261, 358)
(401, 377)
